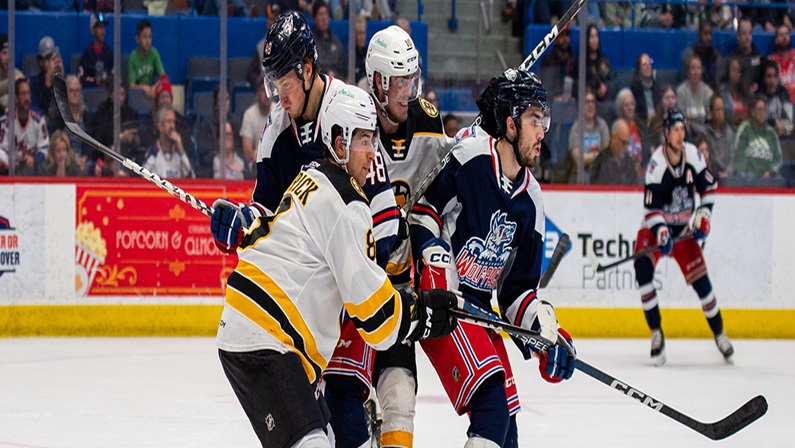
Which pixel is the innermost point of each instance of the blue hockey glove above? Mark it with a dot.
(557, 364)
(701, 223)
(227, 224)
(664, 240)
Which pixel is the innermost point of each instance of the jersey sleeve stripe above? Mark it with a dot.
(423, 210)
(385, 215)
(519, 309)
(256, 296)
(378, 315)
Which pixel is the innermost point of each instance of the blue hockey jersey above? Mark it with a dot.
(495, 226)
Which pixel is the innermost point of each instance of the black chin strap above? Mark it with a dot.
(515, 142)
(306, 93)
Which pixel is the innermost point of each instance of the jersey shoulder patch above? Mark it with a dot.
(423, 118)
(655, 170)
(694, 157)
(347, 187)
(276, 124)
(428, 107)
(471, 142)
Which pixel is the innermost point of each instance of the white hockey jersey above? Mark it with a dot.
(409, 154)
(31, 139)
(299, 268)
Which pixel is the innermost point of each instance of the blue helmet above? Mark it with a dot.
(514, 91)
(288, 42)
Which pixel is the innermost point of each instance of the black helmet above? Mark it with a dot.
(514, 91)
(288, 41)
(671, 117)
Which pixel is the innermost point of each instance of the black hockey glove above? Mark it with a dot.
(431, 313)
(485, 104)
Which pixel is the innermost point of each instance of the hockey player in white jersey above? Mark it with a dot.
(412, 141)
(299, 269)
(676, 173)
(485, 212)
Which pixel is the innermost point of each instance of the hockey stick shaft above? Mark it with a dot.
(59, 91)
(734, 422)
(554, 260)
(531, 59)
(636, 255)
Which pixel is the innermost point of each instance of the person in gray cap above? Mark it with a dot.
(50, 64)
(4, 72)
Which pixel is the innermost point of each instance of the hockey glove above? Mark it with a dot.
(430, 311)
(557, 363)
(436, 267)
(227, 224)
(664, 240)
(403, 228)
(701, 223)
(485, 103)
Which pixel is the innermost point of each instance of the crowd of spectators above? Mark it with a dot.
(738, 105)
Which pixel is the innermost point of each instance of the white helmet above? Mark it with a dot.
(349, 109)
(391, 52)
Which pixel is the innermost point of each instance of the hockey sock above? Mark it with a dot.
(488, 411)
(709, 304)
(644, 273)
(344, 398)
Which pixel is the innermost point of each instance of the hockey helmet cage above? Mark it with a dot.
(673, 116)
(350, 108)
(287, 43)
(391, 52)
(514, 91)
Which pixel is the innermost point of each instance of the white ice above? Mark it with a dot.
(171, 392)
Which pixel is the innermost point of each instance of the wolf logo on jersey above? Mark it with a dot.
(480, 261)
(681, 207)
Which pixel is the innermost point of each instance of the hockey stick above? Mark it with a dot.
(729, 425)
(554, 260)
(59, 91)
(642, 253)
(531, 59)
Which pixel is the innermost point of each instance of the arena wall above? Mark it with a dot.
(123, 258)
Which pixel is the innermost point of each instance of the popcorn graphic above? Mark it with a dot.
(90, 252)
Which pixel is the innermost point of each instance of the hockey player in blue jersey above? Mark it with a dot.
(676, 173)
(291, 137)
(485, 213)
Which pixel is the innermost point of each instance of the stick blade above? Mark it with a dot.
(739, 419)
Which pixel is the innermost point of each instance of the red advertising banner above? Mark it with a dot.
(133, 239)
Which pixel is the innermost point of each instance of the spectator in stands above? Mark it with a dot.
(4, 73)
(60, 160)
(735, 96)
(619, 15)
(751, 60)
(598, 70)
(757, 147)
(102, 125)
(233, 167)
(50, 64)
(331, 54)
(664, 15)
(692, 96)
(97, 5)
(613, 166)
(763, 18)
(639, 149)
(254, 120)
(167, 157)
(667, 101)
(709, 55)
(74, 97)
(779, 107)
(784, 55)
(30, 133)
(557, 65)
(596, 135)
(451, 125)
(234, 8)
(720, 137)
(702, 145)
(209, 132)
(96, 63)
(145, 66)
(645, 88)
(719, 14)
(149, 129)
(360, 73)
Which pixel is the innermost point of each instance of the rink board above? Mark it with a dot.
(159, 273)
